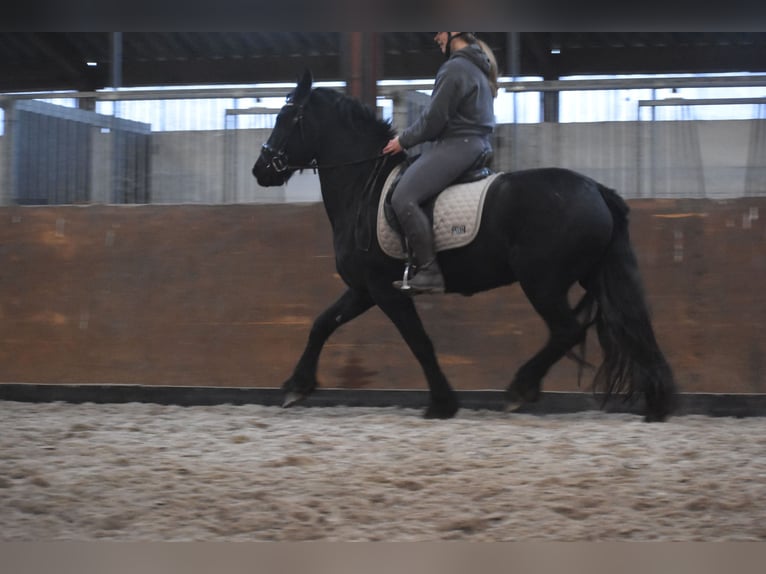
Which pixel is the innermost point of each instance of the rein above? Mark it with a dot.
(362, 232)
(313, 165)
(279, 161)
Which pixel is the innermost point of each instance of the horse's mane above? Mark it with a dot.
(352, 112)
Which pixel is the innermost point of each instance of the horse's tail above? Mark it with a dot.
(633, 362)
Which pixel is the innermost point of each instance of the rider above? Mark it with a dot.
(460, 120)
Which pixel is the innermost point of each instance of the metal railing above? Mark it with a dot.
(211, 164)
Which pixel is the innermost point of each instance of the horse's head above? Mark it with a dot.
(288, 147)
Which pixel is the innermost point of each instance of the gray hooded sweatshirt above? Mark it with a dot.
(461, 102)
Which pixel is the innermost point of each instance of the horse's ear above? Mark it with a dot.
(304, 88)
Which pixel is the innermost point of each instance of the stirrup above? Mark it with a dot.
(405, 286)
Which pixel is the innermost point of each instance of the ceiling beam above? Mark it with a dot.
(67, 60)
(670, 59)
(53, 61)
(411, 66)
(239, 71)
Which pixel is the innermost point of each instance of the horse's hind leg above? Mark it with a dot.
(303, 380)
(401, 310)
(565, 331)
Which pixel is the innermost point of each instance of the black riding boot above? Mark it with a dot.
(428, 276)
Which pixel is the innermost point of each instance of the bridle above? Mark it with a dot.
(276, 156)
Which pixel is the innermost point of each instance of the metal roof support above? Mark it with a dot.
(513, 59)
(361, 57)
(550, 106)
(116, 60)
(7, 180)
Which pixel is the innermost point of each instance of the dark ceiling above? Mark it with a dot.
(37, 61)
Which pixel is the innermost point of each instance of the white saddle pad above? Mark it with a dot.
(457, 214)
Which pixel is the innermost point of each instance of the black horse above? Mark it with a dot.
(545, 228)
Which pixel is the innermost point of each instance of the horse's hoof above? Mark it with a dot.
(515, 399)
(655, 418)
(513, 406)
(440, 412)
(292, 398)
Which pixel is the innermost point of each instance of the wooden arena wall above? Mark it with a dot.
(225, 296)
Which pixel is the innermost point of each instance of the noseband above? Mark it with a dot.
(277, 160)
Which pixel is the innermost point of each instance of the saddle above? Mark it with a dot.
(455, 213)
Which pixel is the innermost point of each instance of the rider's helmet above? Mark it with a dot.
(450, 37)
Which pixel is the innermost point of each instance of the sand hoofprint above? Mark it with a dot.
(136, 472)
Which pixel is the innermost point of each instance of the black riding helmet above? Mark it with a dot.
(450, 37)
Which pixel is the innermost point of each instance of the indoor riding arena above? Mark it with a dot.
(154, 298)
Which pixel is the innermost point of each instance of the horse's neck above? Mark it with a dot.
(347, 189)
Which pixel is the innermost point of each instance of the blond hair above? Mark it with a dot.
(493, 71)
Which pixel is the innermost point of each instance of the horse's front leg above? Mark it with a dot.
(402, 312)
(303, 380)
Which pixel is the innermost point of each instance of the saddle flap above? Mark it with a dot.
(456, 216)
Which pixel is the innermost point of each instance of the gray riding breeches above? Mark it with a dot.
(436, 168)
